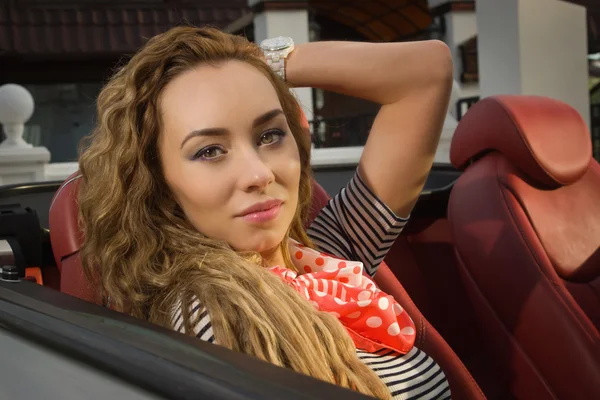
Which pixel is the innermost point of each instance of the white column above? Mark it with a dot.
(292, 23)
(461, 25)
(534, 47)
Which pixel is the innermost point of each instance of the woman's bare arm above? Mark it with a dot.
(412, 81)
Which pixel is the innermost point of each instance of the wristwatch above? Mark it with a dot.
(276, 51)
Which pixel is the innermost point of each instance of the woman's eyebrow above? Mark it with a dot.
(266, 117)
(260, 120)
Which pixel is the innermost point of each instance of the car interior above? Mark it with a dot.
(500, 269)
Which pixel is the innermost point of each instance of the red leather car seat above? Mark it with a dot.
(525, 217)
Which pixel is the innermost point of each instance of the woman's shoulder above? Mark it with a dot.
(355, 200)
(356, 225)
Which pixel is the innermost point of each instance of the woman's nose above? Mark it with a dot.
(255, 173)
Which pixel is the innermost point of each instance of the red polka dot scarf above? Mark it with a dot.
(373, 319)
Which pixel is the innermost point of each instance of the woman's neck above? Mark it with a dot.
(273, 257)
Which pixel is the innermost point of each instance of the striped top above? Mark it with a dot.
(356, 225)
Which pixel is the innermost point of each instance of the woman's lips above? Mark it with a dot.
(262, 212)
(263, 216)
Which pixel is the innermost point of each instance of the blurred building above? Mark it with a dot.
(64, 50)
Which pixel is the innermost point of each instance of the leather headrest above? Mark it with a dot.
(65, 236)
(545, 138)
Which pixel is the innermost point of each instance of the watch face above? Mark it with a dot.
(276, 43)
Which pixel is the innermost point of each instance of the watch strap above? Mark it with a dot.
(276, 62)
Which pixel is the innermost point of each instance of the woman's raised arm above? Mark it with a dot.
(411, 80)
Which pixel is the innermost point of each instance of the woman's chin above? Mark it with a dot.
(263, 243)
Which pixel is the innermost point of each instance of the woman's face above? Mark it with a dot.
(229, 156)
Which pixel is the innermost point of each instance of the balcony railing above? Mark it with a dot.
(341, 132)
(463, 105)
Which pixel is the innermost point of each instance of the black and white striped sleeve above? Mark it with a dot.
(203, 329)
(356, 225)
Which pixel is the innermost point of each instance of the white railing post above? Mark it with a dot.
(16, 107)
(20, 162)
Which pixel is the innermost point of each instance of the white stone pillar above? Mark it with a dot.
(461, 25)
(270, 21)
(534, 47)
(20, 162)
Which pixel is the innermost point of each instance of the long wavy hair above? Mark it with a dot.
(149, 260)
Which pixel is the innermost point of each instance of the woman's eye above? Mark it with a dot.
(271, 137)
(209, 153)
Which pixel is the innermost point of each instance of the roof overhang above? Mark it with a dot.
(89, 28)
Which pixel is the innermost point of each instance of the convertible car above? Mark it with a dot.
(499, 267)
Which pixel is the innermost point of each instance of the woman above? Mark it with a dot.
(196, 185)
